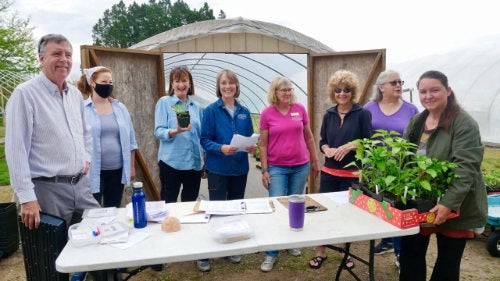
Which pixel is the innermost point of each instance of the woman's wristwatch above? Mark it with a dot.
(264, 170)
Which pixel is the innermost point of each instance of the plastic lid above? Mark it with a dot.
(137, 184)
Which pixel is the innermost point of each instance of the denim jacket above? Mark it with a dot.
(183, 151)
(127, 140)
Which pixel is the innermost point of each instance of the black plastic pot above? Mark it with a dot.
(9, 232)
(422, 205)
(184, 119)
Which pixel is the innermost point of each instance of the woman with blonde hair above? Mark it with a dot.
(287, 149)
(343, 123)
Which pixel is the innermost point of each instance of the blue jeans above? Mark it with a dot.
(396, 244)
(287, 180)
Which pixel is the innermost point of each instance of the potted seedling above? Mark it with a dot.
(182, 115)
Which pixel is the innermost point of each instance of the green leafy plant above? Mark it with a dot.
(180, 110)
(389, 165)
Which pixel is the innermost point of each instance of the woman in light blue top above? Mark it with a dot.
(113, 136)
(180, 154)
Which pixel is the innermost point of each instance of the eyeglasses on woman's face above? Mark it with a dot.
(395, 82)
(345, 90)
(285, 90)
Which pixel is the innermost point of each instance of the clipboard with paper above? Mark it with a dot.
(235, 207)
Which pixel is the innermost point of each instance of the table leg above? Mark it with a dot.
(346, 251)
(106, 275)
(371, 263)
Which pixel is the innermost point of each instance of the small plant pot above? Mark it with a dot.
(183, 120)
(372, 194)
(422, 205)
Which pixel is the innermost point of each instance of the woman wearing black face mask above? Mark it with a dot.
(114, 143)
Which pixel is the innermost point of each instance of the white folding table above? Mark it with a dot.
(341, 223)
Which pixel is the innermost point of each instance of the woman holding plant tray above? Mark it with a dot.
(446, 132)
(343, 123)
(391, 113)
(180, 155)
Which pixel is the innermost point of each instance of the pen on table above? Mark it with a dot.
(243, 207)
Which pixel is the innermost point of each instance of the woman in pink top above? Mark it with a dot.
(287, 148)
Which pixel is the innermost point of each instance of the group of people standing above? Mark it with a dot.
(56, 141)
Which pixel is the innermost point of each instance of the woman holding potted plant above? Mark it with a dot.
(343, 123)
(180, 152)
(446, 132)
(391, 113)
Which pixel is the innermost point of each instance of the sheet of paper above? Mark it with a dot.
(259, 206)
(341, 197)
(236, 207)
(133, 238)
(242, 142)
(231, 207)
(100, 212)
(195, 218)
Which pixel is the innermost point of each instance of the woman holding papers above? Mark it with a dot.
(227, 167)
(287, 149)
(342, 123)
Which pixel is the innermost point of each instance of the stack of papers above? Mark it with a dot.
(242, 142)
(155, 211)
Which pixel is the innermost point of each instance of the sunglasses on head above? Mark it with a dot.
(395, 82)
(345, 90)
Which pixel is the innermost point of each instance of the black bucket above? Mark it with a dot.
(9, 232)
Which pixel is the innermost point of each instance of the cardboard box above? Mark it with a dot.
(400, 218)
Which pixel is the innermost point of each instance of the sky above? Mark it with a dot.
(406, 29)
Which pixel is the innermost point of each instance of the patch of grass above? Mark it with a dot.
(5, 194)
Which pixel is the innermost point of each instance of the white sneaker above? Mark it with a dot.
(268, 264)
(234, 259)
(203, 265)
(295, 252)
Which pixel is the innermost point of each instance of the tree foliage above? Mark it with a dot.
(17, 46)
(123, 26)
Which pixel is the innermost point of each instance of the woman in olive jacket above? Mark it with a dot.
(446, 132)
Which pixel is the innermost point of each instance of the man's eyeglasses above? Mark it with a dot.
(285, 90)
(345, 90)
(395, 82)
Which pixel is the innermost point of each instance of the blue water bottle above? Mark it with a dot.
(139, 205)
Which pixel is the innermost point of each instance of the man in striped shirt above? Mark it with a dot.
(48, 145)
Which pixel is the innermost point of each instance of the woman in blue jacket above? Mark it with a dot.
(227, 168)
